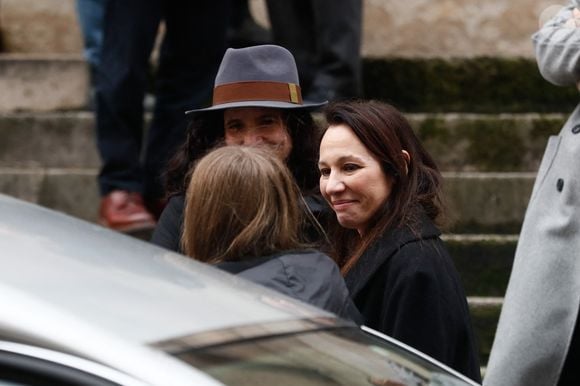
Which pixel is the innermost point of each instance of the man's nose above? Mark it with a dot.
(253, 137)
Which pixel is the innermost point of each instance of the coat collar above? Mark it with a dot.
(384, 247)
(236, 267)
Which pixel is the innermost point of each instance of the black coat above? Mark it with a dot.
(406, 286)
(167, 233)
(306, 275)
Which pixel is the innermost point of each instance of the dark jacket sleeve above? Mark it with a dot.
(425, 307)
(330, 291)
(168, 231)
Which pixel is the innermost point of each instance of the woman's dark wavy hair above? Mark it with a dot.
(385, 132)
(206, 130)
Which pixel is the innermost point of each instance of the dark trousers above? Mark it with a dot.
(189, 56)
(325, 38)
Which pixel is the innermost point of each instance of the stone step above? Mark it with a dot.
(477, 85)
(33, 26)
(486, 202)
(487, 142)
(458, 142)
(485, 313)
(72, 191)
(484, 261)
(43, 82)
(48, 140)
(38, 82)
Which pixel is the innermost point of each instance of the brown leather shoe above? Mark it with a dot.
(125, 212)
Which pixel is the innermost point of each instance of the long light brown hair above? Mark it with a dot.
(385, 132)
(241, 202)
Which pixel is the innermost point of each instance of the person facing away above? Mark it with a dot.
(385, 191)
(256, 101)
(242, 215)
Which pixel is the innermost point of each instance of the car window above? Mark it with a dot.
(9, 383)
(35, 373)
(46, 376)
(25, 365)
(332, 357)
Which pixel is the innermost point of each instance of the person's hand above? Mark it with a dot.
(574, 21)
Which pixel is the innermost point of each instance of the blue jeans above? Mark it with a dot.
(190, 54)
(91, 14)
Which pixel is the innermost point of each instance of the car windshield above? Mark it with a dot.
(343, 356)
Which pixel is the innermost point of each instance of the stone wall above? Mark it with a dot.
(447, 28)
(39, 26)
(392, 28)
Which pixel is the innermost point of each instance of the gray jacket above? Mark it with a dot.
(541, 306)
(306, 275)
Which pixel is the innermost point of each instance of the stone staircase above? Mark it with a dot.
(485, 120)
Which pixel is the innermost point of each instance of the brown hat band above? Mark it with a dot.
(257, 91)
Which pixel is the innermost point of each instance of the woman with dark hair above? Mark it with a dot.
(385, 190)
(242, 214)
(207, 130)
(256, 101)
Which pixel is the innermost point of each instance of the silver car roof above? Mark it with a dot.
(74, 285)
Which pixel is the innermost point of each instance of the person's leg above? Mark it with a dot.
(129, 34)
(243, 31)
(91, 14)
(325, 37)
(191, 51)
(130, 28)
(292, 23)
(338, 26)
(239, 11)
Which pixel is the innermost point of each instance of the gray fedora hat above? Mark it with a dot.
(258, 76)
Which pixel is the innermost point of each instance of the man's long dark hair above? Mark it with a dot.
(385, 132)
(206, 130)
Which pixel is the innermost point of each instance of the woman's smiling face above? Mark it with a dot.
(351, 178)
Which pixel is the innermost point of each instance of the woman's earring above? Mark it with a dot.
(407, 159)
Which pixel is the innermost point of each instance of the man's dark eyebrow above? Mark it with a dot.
(269, 115)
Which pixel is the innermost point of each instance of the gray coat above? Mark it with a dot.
(542, 301)
(306, 275)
